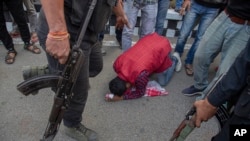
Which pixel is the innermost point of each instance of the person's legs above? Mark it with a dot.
(73, 115)
(208, 49)
(221, 36)
(95, 60)
(32, 16)
(148, 18)
(6, 38)
(207, 16)
(118, 35)
(186, 28)
(235, 41)
(15, 31)
(17, 11)
(165, 77)
(131, 12)
(29, 4)
(163, 6)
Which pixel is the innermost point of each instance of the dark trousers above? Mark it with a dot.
(118, 35)
(91, 66)
(224, 134)
(15, 7)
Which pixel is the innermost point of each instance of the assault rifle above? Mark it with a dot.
(63, 83)
(188, 125)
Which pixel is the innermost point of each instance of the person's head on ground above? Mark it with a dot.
(117, 86)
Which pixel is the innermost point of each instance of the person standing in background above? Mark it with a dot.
(32, 17)
(17, 11)
(233, 86)
(162, 11)
(148, 18)
(201, 12)
(228, 35)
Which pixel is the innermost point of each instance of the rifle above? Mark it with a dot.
(64, 83)
(188, 125)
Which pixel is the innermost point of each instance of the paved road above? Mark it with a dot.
(145, 119)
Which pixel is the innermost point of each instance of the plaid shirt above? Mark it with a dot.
(140, 87)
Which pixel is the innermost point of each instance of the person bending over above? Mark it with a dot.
(151, 54)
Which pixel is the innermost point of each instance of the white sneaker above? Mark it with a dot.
(178, 65)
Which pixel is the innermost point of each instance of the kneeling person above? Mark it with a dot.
(151, 54)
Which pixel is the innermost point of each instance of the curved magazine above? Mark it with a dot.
(36, 83)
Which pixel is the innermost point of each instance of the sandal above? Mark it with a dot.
(10, 57)
(189, 69)
(32, 48)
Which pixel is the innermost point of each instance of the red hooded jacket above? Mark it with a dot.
(150, 53)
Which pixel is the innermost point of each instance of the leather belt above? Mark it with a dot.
(237, 19)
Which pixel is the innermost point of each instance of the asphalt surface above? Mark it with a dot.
(24, 118)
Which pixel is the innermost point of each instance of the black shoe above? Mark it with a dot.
(81, 133)
(191, 91)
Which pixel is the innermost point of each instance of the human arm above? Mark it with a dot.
(57, 45)
(113, 98)
(229, 86)
(139, 88)
(185, 6)
(121, 18)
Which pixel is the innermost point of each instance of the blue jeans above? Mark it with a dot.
(163, 6)
(206, 16)
(178, 4)
(164, 77)
(148, 18)
(222, 36)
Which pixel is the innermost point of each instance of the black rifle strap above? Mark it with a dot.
(85, 24)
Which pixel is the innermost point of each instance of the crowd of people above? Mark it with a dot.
(223, 28)
(28, 35)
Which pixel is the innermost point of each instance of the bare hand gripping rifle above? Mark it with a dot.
(64, 83)
(188, 125)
